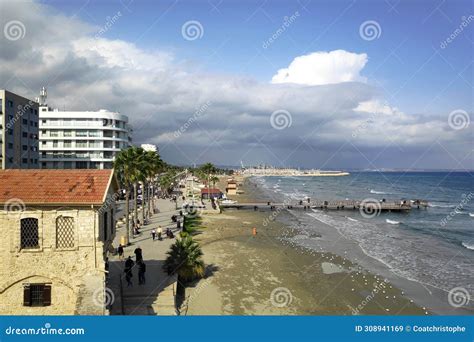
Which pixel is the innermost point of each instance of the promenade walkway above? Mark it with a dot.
(157, 296)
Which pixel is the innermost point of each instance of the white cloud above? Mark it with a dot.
(320, 68)
(377, 107)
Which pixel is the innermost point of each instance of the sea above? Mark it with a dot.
(433, 245)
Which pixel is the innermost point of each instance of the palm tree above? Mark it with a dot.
(167, 181)
(208, 169)
(152, 165)
(214, 180)
(185, 259)
(126, 167)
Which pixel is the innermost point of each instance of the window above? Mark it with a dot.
(24, 147)
(29, 233)
(10, 145)
(67, 144)
(54, 134)
(25, 122)
(24, 160)
(24, 134)
(81, 165)
(68, 133)
(105, 226)
(81, 143)
(55, 143)
(37, 295)
(112, 228)
(10, 103)
(65, 232)
(81, 133)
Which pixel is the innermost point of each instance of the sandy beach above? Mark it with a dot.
(261, 275)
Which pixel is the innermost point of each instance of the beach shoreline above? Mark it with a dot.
(266, 275)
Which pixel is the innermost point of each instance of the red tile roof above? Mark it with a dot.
(211, 191)
(54, 186)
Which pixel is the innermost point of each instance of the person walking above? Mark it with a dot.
(128, 271)
(141, 273)
(254, 231)
(160, 231)
(153, 234)
(120, 251)
(138, 254)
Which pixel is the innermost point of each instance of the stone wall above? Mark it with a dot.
(76, 274)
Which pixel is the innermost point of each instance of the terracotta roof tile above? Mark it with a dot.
(54, 186)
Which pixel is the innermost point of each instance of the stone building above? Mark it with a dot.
(56, 227)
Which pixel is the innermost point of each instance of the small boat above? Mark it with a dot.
(228, 201)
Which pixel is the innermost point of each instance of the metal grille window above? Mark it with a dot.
(65, 232)
(37, 295)
(29, 233)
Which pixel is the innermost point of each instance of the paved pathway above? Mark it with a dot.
(156, 297)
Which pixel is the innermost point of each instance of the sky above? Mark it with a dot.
(303, 83)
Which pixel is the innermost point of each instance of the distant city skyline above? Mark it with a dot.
(339, 85)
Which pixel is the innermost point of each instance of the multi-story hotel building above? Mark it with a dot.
(80, 139)
(18, 132)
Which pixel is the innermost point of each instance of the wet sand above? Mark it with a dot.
(262, 275)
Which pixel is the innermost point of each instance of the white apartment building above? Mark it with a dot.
(80, 139)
